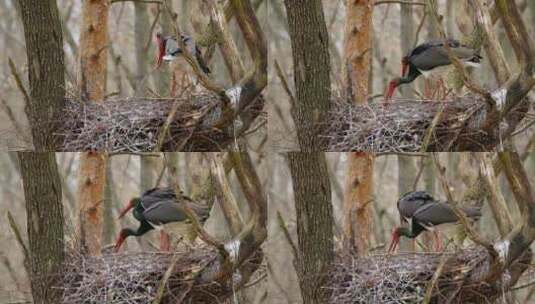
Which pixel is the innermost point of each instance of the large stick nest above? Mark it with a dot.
(405, 278)
(134, 278)
(403, 126)
(134, 125)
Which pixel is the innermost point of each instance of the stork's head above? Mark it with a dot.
(160, 41)
(404, 65)
(126, 232)
(392, 85)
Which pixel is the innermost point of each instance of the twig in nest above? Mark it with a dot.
(436, 275)
(166, 276)
(431, 129)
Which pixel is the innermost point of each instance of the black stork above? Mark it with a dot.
(169, 49)
(423, 212)
(159, 207)
(428, 56)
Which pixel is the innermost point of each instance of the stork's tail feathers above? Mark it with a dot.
(472, 212)
(474, 61)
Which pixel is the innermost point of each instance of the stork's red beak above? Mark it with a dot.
(126, 209)
(120, 241)
(390, 90)
(394, 243)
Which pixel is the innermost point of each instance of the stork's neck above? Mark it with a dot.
(142, 229)
(406, 232)
(413, 73)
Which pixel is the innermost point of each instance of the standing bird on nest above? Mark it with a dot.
(427, 57)
(169, 49)
(423, 212)
(161, 209)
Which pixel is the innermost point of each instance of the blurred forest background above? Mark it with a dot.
(394, 30)
(127, 176)
(131, 56)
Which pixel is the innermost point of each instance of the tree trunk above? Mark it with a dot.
(94, 49)
(142, 32)
(44, 44)
(358, 197)
(312, 193)
(93, 56)
(310, 52)
(358, 48)
(44, 212)
(91, 182)
(359, 179)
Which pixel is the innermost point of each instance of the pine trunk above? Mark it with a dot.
(91, 183)
(312, 192)
(44, 212)
(358, 198)
(93, 73)
(358, 218)
(358, 49)
(44, 45)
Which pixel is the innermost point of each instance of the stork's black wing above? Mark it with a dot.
(412, 201)
(155, 195)
(441, 213)
(165, 212)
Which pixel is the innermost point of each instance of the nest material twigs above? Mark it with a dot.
(133, 125)
(404, 278)
(399, 126)
(133, 278)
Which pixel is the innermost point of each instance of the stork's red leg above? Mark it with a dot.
(438, 241)
(164, 241)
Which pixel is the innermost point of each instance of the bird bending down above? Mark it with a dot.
(423, 212)
(428, 56)
(160, 208)
(169, 49)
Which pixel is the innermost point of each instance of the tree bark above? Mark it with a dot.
(312, 193)
(359, 178)
(92, 173)
(358, 49)
(44, 44)
(310, 52)
(44, 212)
(91, 182)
